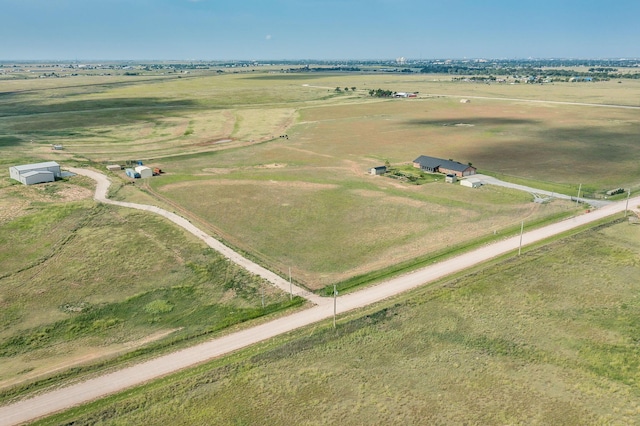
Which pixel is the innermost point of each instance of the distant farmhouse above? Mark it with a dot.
(580, 79)
(447, 167)
(30, 174)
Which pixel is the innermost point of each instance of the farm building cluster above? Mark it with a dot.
(138, 172)
(453, 170)
(49, 171)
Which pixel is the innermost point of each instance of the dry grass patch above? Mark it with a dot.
(327, 232)
(16, 199)
(568, 144)
(538, 339)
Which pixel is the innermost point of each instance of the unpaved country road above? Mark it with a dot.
(101, 196)
(60, 399)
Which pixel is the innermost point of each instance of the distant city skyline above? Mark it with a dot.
(316, 29)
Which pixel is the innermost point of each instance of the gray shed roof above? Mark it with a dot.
(36, 166)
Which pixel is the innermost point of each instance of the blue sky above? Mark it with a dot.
(317, 29)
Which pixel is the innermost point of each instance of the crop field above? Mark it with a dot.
(546, 338)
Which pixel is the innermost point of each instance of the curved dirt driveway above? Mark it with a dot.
(102, 187)
(61, 399)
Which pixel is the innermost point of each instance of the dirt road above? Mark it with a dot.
(60, 399)
(101, 196)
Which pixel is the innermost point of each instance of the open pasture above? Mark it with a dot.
(333, 222)
(559, 143)
(110, 119)
(604, 92)
(82, 283)
(306, 202)
(546, 338)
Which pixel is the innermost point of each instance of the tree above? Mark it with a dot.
(353, 89)
(338, 89)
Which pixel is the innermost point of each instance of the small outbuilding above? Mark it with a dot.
(380, 170)
(30, 174)
(144, 171)
(471, 182)
(450, 178)
(114, 167)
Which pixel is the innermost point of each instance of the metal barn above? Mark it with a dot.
(30, 174)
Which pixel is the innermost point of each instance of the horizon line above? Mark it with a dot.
(276, 60)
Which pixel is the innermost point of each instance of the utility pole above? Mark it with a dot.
(626, 207)
(578, 199)
(335, 299)
(521, 231)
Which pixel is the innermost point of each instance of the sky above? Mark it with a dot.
(317, 29)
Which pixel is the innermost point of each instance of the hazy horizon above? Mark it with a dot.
(303, 60)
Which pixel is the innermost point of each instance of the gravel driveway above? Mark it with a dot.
(537, 193)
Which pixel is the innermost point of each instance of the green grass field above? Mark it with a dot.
(546, 338)
(81, 282)
(329, 227)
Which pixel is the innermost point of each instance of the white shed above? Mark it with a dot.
(380, 170)
(30, 174)
(471, 182)
(37, 176)
(144, 171)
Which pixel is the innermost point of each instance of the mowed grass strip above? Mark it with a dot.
(549, 337)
